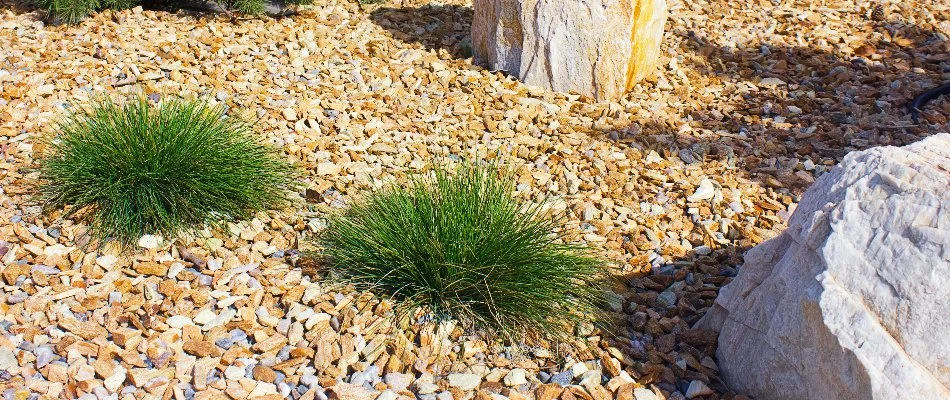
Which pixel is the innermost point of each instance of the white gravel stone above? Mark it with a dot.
(705, 191)
(106, 261)
(579, 369)
(7, 359)
(644, 394)
(150, 241)
(398, 381)
(234, 372)
(388, 394)
(263, 388)
(464, 381)
(114, 382)
(204, 316)
(696, 389)
(178, 321)
(516, 377)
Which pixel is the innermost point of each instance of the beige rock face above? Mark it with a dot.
(850, 302)
(599, 48)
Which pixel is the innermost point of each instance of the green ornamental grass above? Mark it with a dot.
(137, 168)
(459, 245)
(74, 11)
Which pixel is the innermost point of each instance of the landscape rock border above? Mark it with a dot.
(597, 48)
(850, 301)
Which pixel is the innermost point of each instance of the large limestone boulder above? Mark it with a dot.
(599, 48)
(852, 301)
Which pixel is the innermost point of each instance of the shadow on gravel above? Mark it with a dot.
(826, 105)
(858, 99)
(19, 7)
(435, 27)
(806, 103)
(661, 310)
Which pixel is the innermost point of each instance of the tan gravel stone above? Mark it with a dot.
(271, 343)
(548, 391)
(151, 268)
(57, 372)
(346, 391)
(263, 389)
(264, 374)
(201, 348)
(84, 329)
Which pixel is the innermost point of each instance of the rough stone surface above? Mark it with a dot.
(850, 301)
(464, 381)
(598, 48)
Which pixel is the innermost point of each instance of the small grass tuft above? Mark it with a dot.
(136, 168)
(74, 11)
(459, 245)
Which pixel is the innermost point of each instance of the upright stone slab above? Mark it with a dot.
(851, 301)
(599, 48)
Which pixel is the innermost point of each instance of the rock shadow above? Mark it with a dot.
(435, 27)
(782, 105)
(680, 289)
(23, 7)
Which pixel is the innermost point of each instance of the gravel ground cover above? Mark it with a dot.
(671, 184)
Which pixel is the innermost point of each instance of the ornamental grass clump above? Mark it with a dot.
(459, 245)
(74, 11)
(137, 168)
